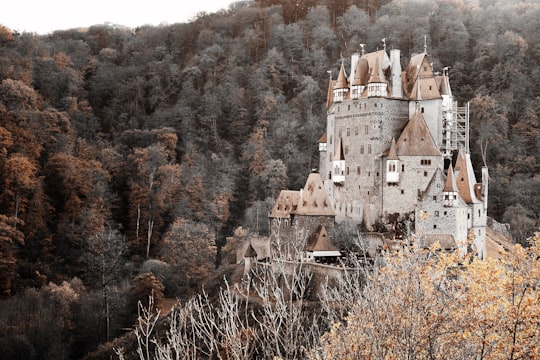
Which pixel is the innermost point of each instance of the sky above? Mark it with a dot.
(46, 16)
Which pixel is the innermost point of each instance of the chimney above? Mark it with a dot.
(395, 61)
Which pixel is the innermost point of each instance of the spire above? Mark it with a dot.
(330, 94)
(376, 75)
(450, 185)
(392, 154)
(341, 82)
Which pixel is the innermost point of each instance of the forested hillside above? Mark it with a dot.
(130, 152)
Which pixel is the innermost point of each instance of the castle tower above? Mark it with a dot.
(341, 88)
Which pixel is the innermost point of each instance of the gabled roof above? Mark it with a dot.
(416, 139)
(450, 184)
(421, 83)
(314, 199)
(286, 204)
(318, 241)
(465, 178)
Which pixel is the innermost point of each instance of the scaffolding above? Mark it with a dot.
(455, 129)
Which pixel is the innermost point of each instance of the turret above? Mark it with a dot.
(377, 85)
(450, 191)
(341, 88)
(392, 165)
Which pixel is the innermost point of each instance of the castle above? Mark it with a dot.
(395, 149)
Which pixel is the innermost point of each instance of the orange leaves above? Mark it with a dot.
(418, 308)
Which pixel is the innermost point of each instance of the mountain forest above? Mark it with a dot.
(128, 156)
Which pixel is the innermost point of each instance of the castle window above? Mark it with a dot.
(358, 170)
(369, 173)
(356, 130)
(445, 213)
(429, 87)
(402, 191)
(435, 226)
(348, 131)
(425, 173)
(376, 103)
(377, 174)
(349, 107)
(468, 216)
(347, 170)
(425, 162)
(436, 214)
(329, 175)
(434, 197)
(330, 139)
(422, 110)
(369, 149)
(366, 129)
(362, 149)
(402, 167)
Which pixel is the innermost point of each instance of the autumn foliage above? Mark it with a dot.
(426, 306)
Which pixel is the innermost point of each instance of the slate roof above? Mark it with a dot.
(286, 204)
(416, 139)
(313, 198)
(465, 179)
(421, 83)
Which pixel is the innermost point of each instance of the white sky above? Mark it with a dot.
(45, 16)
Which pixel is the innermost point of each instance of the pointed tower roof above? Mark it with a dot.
(376, 75)
(392, 153)
(465, 179)
(444, 84)
(322, 139)
(341, 82)
(450, 184)
(330, 94)
(339, 153)
(319, 241)
(416, 139)
(361, 72)
(314, 199)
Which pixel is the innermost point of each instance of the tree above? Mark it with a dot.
(105, 260)
(190, 248)
(10, 239)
